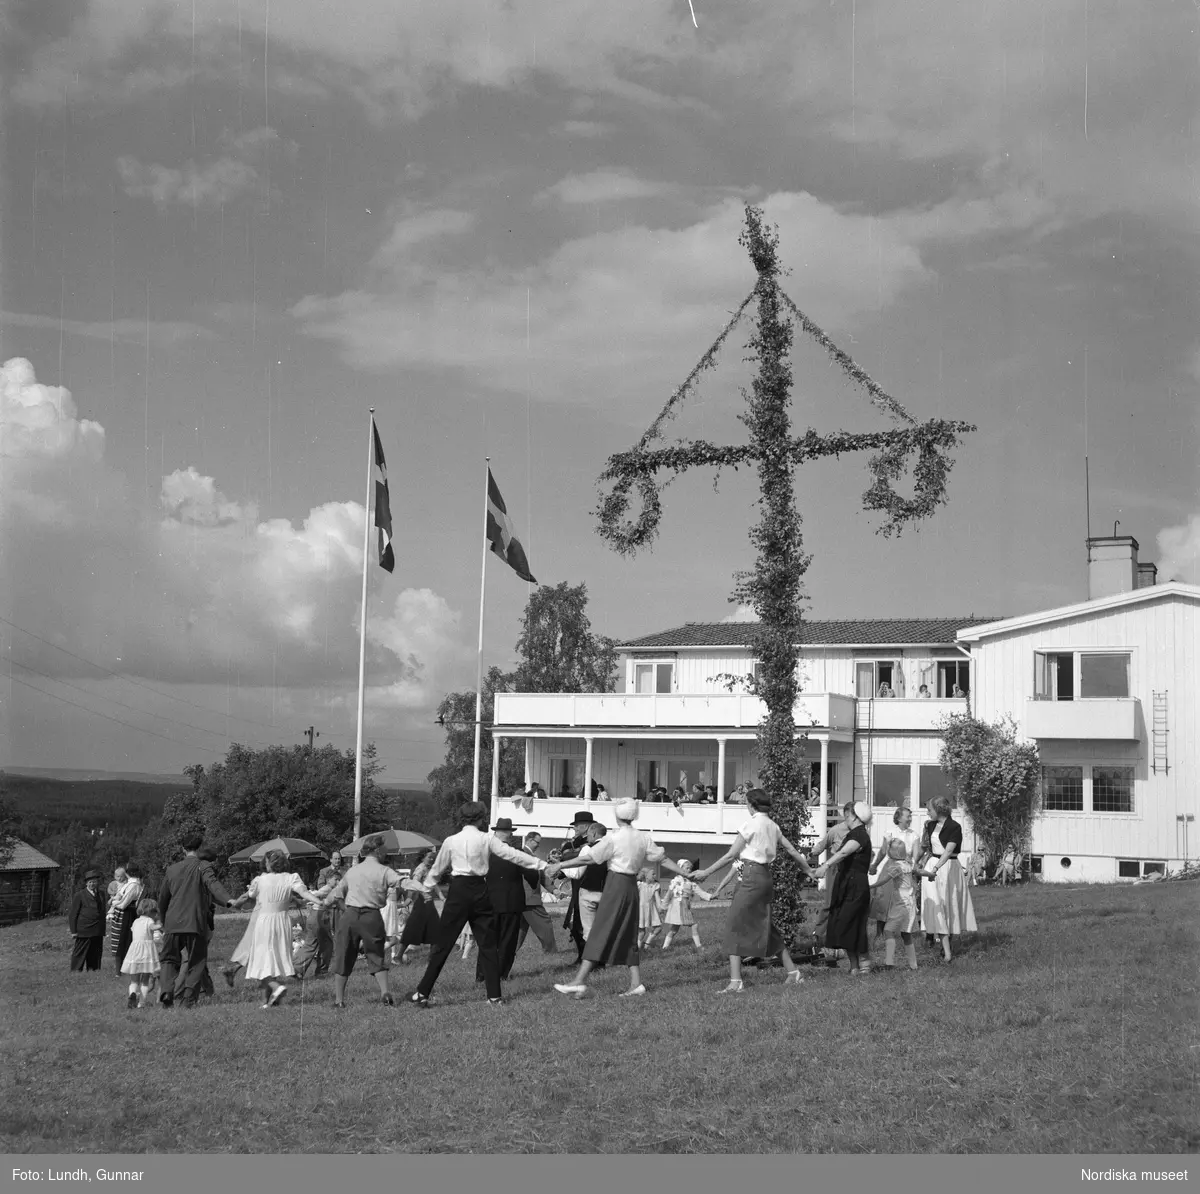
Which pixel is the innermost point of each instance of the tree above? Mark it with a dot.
(558, 651)
(9, 824)
(279, 791)
(997, 781)
(773, 587)
(453, 781)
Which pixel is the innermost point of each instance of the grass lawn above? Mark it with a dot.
(1068, 1024)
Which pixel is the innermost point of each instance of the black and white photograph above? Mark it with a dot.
(599, 580)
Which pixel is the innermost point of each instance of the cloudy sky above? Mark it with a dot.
(230, 227)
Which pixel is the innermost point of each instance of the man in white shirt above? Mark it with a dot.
(466, 855)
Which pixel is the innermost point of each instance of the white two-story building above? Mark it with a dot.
(1104, 687)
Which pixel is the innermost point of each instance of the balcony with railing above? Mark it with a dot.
(907, 713)
(1112, 719)
(667, 711)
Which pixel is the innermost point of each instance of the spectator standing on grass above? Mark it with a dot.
(613, 940)
(467, 855)
(140, 964)
(850, 899)
(568, 850)
(185, 900)
(946, 907)
(749, 932)
(86, 921)
(269, 959)
(122, 911)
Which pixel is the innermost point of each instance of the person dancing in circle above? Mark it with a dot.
(749, 931)
(613, 939)
(850, 900)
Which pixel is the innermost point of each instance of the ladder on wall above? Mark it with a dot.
(1159, 733)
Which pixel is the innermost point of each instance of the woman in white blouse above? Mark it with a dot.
(749, 931)
(613, 938)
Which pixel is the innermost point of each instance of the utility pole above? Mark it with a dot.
(310, 734)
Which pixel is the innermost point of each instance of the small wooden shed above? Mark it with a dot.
(25, 885)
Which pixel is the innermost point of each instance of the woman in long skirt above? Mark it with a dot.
(946, 907)
(749, 932)
(613, 940)
(850, 902)
(270, 946)
(122, 911)
(421, 928)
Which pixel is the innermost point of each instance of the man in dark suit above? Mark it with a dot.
(506, 890)
(86, 922)
(568, 850)
(536, 917)
(184, 902)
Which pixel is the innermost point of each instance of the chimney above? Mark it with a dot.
(1147, 575)
(1113, 566)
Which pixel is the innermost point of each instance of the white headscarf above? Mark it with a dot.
(626, 810)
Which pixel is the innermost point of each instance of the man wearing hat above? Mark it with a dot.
(467, 855)
(506, 890)
(570, 849)
(87, 925)
(535, 916)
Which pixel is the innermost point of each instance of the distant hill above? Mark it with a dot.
(147, 777)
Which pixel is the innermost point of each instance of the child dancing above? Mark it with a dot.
(679, 905)
(141, 964)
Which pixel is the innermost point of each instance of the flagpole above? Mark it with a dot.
(362, 632)
(487, 460)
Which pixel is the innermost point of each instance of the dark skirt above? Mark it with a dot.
(421, 928)
(749, 931)
(120, 932)
(849, 911)
(613, 939)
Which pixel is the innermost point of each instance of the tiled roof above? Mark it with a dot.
(26, 858)
(884, 632)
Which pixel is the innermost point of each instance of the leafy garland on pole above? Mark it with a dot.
(774, 586)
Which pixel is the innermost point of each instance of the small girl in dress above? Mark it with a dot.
(896, 879)
(141, 962)
(649, 906)
(679, 905)
(391, 923)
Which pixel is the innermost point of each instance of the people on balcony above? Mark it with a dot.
(923, 691)
(885, 690)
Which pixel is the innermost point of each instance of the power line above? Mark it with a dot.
(187, 725)
(97, 713)
(136, 683)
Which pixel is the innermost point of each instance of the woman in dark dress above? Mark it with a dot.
(850, 901)
(421, 927)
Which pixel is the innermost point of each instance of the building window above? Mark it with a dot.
(935, 782)
(814, 781)
(1054, 677)
(1128, 868)
(1112, 789)
(1034, 863)
(952, 674)
(870, 676)
(653, 677)
(1103, 675)
(1062, 789)
(1082, 675)
(1154, 868)
(566, 776)
(891, 785)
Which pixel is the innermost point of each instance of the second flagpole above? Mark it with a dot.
(362, 633)
(487, 472)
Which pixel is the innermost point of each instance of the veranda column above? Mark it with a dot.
(587, 768)
(824, 772)
(528, 766)
(720, 771)
(495, 776)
